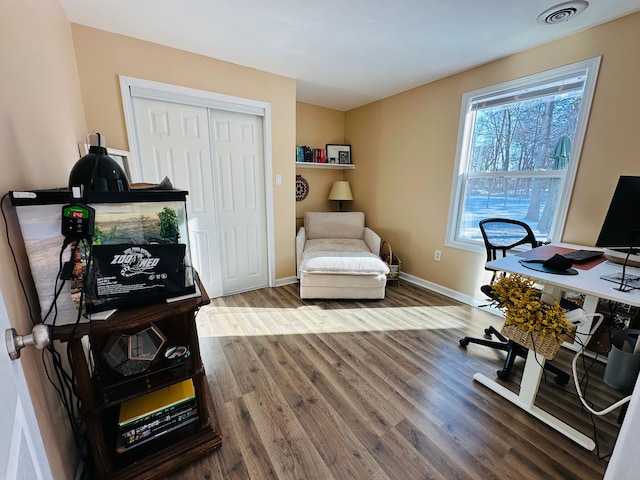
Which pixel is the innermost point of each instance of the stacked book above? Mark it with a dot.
(319, 155)
(311, 155)
(149, 416)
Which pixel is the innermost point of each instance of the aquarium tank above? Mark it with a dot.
(138, 252)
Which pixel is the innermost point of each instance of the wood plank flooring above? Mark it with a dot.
(378, 390)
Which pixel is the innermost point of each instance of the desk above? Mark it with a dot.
(587, 282)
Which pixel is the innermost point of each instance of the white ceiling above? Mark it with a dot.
(344, 53)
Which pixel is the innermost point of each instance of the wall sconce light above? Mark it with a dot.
(340, 191)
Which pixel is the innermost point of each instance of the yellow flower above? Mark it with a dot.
(521, 302)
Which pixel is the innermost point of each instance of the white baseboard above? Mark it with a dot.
(286, 281)
(442, 290)
(475, 302)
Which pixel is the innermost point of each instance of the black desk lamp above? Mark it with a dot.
(97, 171)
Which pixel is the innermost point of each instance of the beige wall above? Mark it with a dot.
(315, 128)
(103, 56)
(406, 148)
(42, 123)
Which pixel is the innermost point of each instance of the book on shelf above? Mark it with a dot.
(148, 416)
(150, 403)
(158, 424)
(320, 155)
(305, 154)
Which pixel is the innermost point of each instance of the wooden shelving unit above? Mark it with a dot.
(102, 391)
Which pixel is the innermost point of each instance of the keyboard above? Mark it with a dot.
(581, 256)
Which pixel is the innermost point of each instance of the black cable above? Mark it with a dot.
(584, 381)
(88, 247)
(15, 260)
(591, 416)
(65, 391)
(622, 287)
(81, 302)
(64, 388)
(62, 381)
(58, 289)
(94, 171)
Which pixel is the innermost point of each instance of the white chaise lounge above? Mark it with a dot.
(338, 257)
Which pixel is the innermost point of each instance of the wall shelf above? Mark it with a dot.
(325, 165)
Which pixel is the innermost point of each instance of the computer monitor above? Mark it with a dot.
(621, 227)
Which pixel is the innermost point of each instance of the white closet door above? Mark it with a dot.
(217, 156)
(173, 141)
(239, 172)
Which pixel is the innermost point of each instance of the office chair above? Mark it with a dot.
(501, 235)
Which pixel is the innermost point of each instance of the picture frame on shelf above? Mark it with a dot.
(338, 154)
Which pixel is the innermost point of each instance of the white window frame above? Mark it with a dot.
(591, 66)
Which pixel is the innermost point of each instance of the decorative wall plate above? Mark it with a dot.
(302, 188)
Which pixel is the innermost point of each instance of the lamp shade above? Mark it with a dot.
(97, 171)
(340, 190)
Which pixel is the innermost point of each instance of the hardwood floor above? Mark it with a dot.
(378, 390)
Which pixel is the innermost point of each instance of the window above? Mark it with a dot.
(518, 150)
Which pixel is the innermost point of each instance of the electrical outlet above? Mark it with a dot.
(437, 255)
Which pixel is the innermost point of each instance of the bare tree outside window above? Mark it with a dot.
(515, 157)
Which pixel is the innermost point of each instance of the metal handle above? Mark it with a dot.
(39, 337)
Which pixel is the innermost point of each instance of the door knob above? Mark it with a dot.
(39, 337)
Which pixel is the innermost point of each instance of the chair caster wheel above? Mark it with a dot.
(464, 342)
(487, 332)
(502, 375)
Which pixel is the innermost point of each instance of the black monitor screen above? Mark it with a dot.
(621, 227)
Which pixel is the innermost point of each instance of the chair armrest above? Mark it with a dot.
(372, 239)
(301, 238)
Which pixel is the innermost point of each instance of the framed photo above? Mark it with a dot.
(340, 154)
(121, 157)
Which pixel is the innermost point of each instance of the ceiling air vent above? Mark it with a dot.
(562, 12)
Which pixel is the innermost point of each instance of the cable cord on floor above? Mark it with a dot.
(574, 362)
(582, 383)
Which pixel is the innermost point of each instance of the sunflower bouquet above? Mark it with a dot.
(524, 308)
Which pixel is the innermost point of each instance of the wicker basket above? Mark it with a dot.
(393, 261)
(531, 340)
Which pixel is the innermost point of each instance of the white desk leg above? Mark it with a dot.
(525, 399)
(590, 304)
(531, 378)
